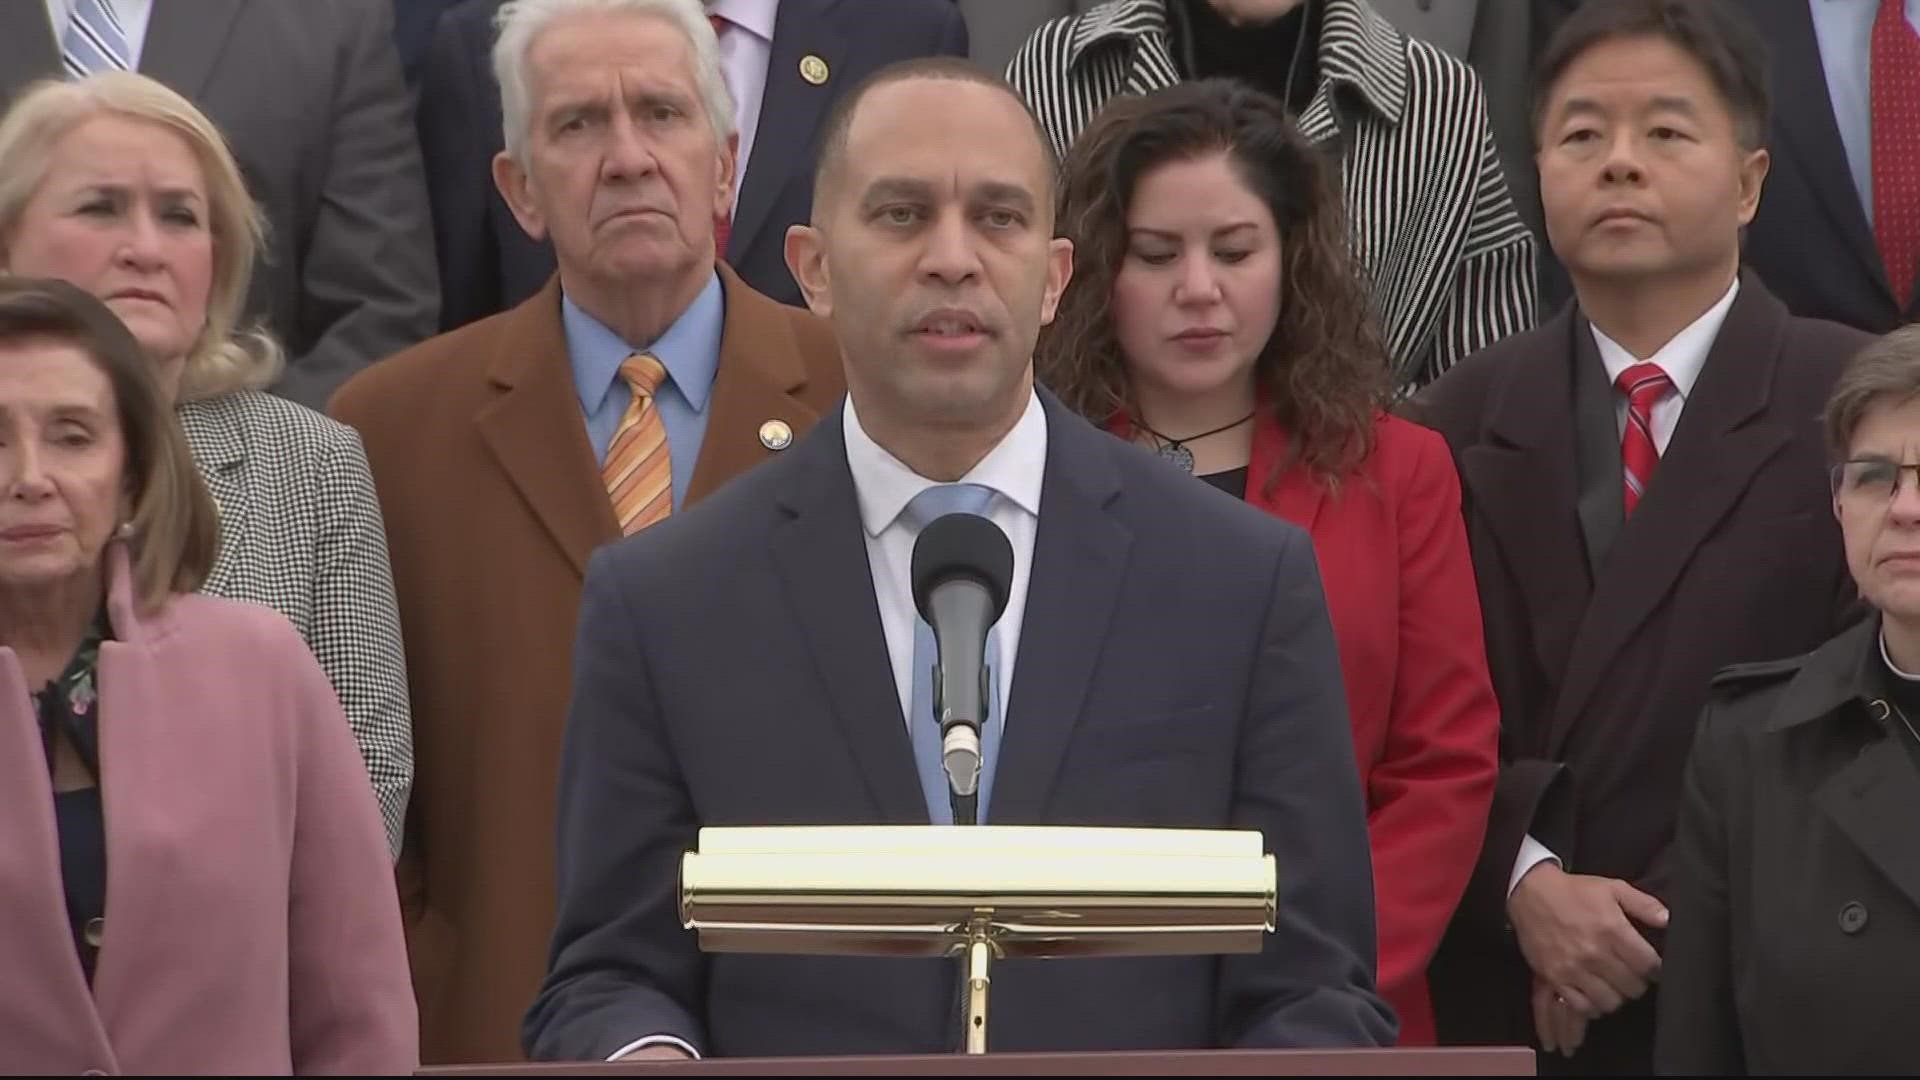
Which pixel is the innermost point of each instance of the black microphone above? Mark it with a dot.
(962, 573)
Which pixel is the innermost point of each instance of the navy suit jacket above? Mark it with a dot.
(1177, 668)
(488, 264)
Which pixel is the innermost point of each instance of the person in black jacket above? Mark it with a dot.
(1795, 925)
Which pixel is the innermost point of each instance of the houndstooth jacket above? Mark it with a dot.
(301, 532)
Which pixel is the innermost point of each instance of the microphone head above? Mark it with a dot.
(965, 546)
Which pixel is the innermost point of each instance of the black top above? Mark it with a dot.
(1206, 45)
(69, 704)
(1232, 481)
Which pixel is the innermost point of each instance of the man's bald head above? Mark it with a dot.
(830, 167)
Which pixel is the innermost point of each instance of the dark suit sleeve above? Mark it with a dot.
(1699, 1032)
(456, 148)
(1530, 795)
(367, 280)
(621, 966)
(1296, 782)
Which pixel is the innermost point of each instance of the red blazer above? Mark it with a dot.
(1426, 726)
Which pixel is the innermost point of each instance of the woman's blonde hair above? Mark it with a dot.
(173, 528)
(225, 356)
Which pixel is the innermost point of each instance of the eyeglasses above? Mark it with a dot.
(1871, 480)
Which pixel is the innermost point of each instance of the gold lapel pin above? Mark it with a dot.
(814, 70)
(776, 435)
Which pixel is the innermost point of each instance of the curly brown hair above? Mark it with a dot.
(1324, 373)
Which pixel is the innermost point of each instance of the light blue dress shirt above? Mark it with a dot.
(689, 350)
(1844, 29)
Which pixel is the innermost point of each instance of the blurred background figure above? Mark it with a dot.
(119, 185)
(1214, 316)
(1796, 888)
(1449, 262)
(1838, 232)
(310, 97)
(785, 63)
(179, 754)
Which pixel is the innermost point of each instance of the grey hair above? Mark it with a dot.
(519, 23)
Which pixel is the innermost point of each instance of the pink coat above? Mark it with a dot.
(251, 919)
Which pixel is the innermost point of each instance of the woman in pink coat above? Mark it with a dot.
(192, 864)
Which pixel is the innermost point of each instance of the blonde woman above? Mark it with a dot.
(119, 185)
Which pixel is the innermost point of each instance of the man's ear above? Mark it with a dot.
(516, 187)
(807, 261)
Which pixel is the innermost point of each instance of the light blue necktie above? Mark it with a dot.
(94, 41)
(937, 502)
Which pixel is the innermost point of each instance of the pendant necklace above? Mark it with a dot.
(1175, 450)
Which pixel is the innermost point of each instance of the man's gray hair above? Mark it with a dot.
(520, 22)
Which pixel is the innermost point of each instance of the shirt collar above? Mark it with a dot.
(689, 349)
(1015, 469)
(1682, 356)
(755, 16)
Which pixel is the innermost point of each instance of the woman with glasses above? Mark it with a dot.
(1795, 929)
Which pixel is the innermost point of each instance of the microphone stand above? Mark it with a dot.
(979, 946)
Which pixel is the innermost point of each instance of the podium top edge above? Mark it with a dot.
(978, 839)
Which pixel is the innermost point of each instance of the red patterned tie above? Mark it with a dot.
(1894, 74)
(723, 221)
(1644, 384)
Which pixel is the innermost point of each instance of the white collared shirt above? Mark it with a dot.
(133, 14)
(1681, 358)
(884, 486)
(745, 51)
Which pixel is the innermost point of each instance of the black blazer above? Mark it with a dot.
(1795, 928)
(488, 264)
(1810, 239)
(1603, 633)
(1176, 668)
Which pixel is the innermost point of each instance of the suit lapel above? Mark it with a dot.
(1293, 493)
(184, 41)
(790, 110)
(820, 555)
(1874, 800)
(761, 371)
(535, 430)
(1804, 118)
(1079, 566)
(1521, 481)
(29, 46)
(220, 454)
(1724, 437)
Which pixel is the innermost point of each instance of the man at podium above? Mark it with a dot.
(1164, 657)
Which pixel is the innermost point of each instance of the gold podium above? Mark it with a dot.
(988, 892)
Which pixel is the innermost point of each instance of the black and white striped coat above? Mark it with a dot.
(301, 533)
(1451, 263)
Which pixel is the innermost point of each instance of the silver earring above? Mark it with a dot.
(124, 532)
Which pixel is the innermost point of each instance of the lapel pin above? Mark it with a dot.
(776, 435)
(814, 70)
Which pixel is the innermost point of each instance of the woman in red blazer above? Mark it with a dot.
(1215, 317)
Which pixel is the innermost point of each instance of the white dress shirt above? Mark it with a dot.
(134, 16)
(1681, 358)
(884, 485)
(745, 50)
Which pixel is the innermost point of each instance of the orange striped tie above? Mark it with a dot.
(639, 467)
